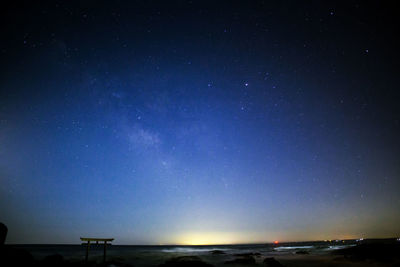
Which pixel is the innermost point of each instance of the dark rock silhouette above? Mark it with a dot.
(217, 252)
(271, 262)
(15, 257)
(302, 252)
(246, 260)
(185, 261)
(257, 254)
(3, 233)
(53, 260)
(10, 256)
(373, 251)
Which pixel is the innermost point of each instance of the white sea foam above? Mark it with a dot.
(340, 246)
(292, 248)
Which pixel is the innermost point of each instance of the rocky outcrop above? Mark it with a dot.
(271, 262)
(244, 260)
(185, 261)
(217, 252)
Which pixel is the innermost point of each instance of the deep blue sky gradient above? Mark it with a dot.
(203, 122)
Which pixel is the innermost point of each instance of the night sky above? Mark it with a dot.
(194, 122)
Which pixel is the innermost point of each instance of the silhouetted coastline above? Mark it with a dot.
(369, 253)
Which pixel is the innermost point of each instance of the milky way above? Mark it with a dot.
(199, 122)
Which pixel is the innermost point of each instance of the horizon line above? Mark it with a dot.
(203, 245)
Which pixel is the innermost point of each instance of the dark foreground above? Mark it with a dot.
(366, 253)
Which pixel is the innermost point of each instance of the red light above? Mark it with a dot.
(276, 242)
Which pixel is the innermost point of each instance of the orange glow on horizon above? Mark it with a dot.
(207, 238)
(276, 242)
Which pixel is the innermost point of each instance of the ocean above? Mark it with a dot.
(155, 255)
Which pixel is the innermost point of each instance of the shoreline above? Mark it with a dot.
(365, 254)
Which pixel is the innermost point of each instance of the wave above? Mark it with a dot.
(293, 248)
(340, 247)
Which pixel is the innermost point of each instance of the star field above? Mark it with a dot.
(153, 121)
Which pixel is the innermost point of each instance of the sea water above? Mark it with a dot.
(155, 255)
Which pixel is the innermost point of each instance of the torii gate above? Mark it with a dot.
(105, 240)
